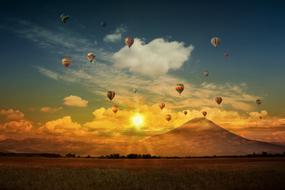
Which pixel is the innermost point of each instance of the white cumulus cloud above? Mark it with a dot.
(75, 101)
(116, 36)
(154, 58)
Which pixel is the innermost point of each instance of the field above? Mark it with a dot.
(140, 174)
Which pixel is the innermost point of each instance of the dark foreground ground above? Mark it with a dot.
(139, 174)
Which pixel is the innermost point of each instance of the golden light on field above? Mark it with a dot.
(137, 120)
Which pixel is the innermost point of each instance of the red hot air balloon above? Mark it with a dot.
(129, 41)
(168, 117)
(219, 100)
(204, 113)
(111, 94)
(161, 106)
(179, 88)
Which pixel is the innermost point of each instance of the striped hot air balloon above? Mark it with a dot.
(179, 88)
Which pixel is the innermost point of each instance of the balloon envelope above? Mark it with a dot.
(129, 41)
(115, 108)
(168, 117)
(206, 73)
(226, 55)
(111, 94)
(219, 100)
(162, 105)
(66, 61)
(64, 18)
(215, 41)
(258, 101)
(179, 88)
(90, 57)
(185, 112)
(204, 113)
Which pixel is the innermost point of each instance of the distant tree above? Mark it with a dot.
(132, 156)
(70, 155)
(264, 154)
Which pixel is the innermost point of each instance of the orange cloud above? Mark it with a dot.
(12, 115)
(48, 109)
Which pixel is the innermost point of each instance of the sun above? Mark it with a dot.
(138, 120)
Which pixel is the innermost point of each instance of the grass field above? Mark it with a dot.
(139, 174)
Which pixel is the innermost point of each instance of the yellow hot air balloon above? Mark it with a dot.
(115, 108)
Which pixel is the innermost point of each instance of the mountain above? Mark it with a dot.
(202, 137)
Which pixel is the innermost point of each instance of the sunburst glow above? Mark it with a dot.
(138, 120)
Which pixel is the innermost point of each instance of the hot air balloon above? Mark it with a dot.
(64, 18)
(206, 73)
(115, 108)
(129, 41)
(111, 95)
(204, 113)
(103, 24)
(226, 55)
(215, 41)
(179, 88)
(135, 90)
(162, 105)
(258, 101)
(219, 100)
(66, 61)
(260, 117)
(90, 57)
(185, 112)
(168, 117)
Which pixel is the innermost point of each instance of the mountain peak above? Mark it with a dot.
(199, 124)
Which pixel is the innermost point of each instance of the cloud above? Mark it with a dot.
(116, 36)
(75, 101)
(12, 115)
(154, 58)
(16, 126)
(63, 126)
(15, 123)
(261, 114)
(101, 77)
(60, 40)
(47, 109)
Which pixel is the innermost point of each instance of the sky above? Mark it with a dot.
(42, 99)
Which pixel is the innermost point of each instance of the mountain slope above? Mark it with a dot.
(202, 137)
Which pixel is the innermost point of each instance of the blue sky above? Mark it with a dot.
(252, 33)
